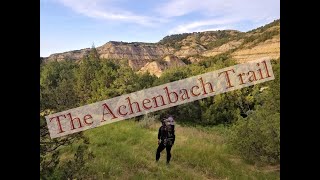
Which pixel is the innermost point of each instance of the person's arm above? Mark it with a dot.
(174, 135)
(159, 135)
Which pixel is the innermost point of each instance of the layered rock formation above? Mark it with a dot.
(157, 67)
(133, 51)
(169, 52)
(269, 48)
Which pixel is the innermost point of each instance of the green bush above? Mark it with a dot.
(217, 42)
(147, 121)
(257, 137)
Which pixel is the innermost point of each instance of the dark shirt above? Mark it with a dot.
(162, 134)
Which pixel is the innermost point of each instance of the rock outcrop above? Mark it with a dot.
(193, 47)
(154, 68)
(173, 61)
(133, 51)
(70, 55)
(157, 67)
(223, 48)
(269, 48)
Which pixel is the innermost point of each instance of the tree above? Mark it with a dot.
(257, 136)
(56, 86)
(125, 81)
(104, 77)
(145, 80)
(93, 54)
(84, 76)
(56, 94)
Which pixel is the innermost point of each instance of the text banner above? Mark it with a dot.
(159, 97)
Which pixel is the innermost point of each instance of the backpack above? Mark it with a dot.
(168, 134)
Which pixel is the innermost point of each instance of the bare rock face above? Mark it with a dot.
(186, 51)
(120, 50)
(223, 48)
(137, 64)
(206, 38)
(154, 68)
(133, 51)
(157, 67)
(269, 48)
(173, 61)
(195, 47)
(70, 55)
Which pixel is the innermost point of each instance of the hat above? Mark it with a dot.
(170, 120)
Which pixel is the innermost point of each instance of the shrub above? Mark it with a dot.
(257, 137)
(147, 121)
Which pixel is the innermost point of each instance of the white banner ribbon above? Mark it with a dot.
(159, 97)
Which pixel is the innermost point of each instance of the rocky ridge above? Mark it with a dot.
(194, 47)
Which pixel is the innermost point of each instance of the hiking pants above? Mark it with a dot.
(161, 147)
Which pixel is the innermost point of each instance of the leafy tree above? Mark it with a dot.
(104, 77)
(145, 81)
(93, 54)
(257, 136)
(125, 82)
(56, 86)
(56, 94)
(84, 75)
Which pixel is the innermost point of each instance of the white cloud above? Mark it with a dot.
(211, 14)
(205, 25)
(104, 10)
(248, 8)
(173, 8)
(230, 13)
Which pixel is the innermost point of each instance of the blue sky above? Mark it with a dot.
(75, 24)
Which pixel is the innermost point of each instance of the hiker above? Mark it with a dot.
(166, 138)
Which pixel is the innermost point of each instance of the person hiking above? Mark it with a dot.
(166, 138)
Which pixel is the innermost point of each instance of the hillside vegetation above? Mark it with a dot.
(125, 150)
(235, 135)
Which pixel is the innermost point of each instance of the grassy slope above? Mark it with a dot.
(124, 150)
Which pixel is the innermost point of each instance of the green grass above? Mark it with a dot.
(125, 150)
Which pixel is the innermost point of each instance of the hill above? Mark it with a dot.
(181, 49)
(234, 135)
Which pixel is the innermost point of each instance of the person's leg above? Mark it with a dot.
(168, 148)
(160, 148)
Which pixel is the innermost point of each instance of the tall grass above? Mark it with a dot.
(125, 150)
